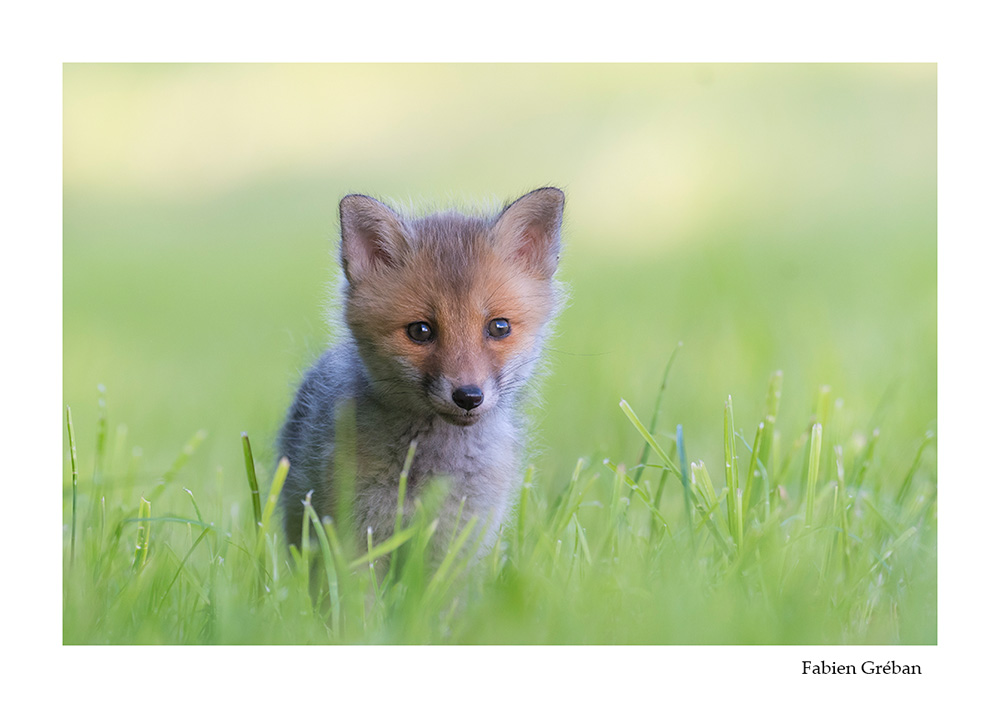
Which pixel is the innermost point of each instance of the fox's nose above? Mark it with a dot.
(467, 397)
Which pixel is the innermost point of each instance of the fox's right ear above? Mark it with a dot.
(371, 236)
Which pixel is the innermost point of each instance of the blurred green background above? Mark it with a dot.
(768, 216)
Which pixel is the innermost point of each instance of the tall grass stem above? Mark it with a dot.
(656, 411)
(815, 447)
(75, 477)
(252, 480)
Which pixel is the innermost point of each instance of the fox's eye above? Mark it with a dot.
(498, 328)
(420, 332)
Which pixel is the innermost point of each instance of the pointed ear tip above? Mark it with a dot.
(553, 193)
(352, 199)
(555, 197)
(347, 204)
(360, 206)
(544, 197)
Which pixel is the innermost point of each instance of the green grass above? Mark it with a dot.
(771, 218)
(828, 557)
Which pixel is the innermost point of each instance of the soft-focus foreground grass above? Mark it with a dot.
(808, 542)
(775, 218)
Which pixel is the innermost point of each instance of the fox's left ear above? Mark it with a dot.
(528, 230)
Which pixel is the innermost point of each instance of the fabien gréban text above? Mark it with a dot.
(873, 668)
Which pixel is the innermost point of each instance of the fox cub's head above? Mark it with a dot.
(449, 310)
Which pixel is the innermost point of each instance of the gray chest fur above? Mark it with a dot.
(479, 465)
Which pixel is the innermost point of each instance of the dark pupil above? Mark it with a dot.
(419, 331)
(499, 328)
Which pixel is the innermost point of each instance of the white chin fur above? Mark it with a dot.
(463, 421)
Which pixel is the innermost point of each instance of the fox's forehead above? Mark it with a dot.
(450, 252)
(464, 270)
(449, 231)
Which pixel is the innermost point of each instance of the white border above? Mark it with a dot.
(39, 37)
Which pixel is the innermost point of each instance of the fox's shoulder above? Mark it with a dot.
(340, 361)
(336, 375)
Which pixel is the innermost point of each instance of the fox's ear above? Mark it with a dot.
(371, 235)
(528, 230)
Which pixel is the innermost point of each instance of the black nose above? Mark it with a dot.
(467, 397)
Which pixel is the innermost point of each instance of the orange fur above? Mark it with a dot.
(458, 291)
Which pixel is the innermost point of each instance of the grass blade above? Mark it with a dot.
(75, 474)
(842, 498)
(732, 470)
(332, 580)
(458, 518)
(771, 406)
(685, 478)
(197, 511)
(815, 447)
(304, 554)
(272, 501)
(522, 511)
(865, 460)
(403, 475)
(908, 480)
(707, 504)
(180, 567)
(739, 519)
(142, 535)
(252, 479)
(371, 568)
(656, 411)
(619, 472)
(581, 537)
(151, 519)
(758, 440)
(401, 499)
(453, 551)
(386, 547)
(630, 414)
(776, 466)
(338, 601)
(559, 516)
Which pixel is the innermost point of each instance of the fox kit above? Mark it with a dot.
(446, 317)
